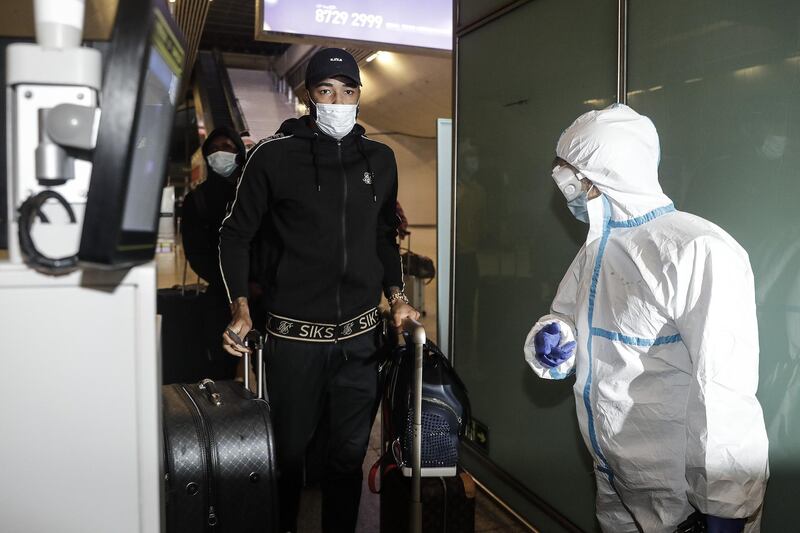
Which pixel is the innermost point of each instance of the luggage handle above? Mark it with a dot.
(183, 280)
(254, 341)
(418, 337)
(211, 391)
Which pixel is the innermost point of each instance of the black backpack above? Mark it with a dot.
(445, 407)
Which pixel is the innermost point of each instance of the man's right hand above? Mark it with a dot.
(241, 324)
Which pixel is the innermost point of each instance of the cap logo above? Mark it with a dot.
(336, 59)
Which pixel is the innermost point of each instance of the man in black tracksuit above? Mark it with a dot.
(323, 196)
(203, 211)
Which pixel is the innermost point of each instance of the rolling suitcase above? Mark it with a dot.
(190, 335)
(219, 456)
(424, 493)
(183, 357)
(448, 503)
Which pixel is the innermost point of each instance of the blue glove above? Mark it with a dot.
(546, 344)
(715, 524)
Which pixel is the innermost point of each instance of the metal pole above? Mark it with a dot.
(622, 52)
(419, 338)
(260, 377)
(247, 367)
(416, 456)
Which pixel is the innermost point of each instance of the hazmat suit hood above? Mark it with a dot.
(618, 149)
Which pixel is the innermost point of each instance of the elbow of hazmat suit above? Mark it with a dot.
(662, 308)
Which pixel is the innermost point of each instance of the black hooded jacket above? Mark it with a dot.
(326, 211)
(203, 211)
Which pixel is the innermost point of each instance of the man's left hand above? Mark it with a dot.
(401, 311)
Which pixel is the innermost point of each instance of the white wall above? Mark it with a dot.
(416, 168)
(407, 93)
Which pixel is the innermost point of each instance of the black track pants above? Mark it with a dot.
(334, 384)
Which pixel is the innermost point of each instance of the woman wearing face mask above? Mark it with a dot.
(203, 211)
(323, 196)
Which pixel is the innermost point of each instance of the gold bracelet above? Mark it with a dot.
(397, 296)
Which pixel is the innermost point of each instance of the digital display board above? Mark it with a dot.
(401, 23)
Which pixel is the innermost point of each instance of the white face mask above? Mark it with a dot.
(336, 120)
(571, 187)
(578, 206)
(223, 163)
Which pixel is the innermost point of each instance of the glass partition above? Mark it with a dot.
(721, 81)
(470, 12)
(522, 79)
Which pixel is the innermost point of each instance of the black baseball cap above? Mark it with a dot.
(331, 62)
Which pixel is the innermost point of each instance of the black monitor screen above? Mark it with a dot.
(151, 141)
(141, 88)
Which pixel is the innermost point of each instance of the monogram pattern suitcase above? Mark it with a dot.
(448, 503)
(219, 459)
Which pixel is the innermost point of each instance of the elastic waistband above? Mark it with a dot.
(301, 330)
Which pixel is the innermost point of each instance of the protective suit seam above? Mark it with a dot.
(592, 294)
(647, 217)
(608, 226)
(635, 341)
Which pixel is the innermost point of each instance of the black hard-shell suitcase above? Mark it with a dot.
(191, 337)
(416, 504)
(191, 333)
(219, 457)
(183, 357)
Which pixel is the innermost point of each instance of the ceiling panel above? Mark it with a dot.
(406, 92)
(231, 26)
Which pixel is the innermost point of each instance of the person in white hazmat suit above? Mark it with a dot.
(656, 318)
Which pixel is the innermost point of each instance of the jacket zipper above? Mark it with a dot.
(441, 403)
(206, 444)
(344, 241)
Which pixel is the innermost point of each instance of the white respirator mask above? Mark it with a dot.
(336, 120)
(570, 185)
(567, 182)
(223, 163)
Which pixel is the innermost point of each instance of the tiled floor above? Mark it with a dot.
(489, 516)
